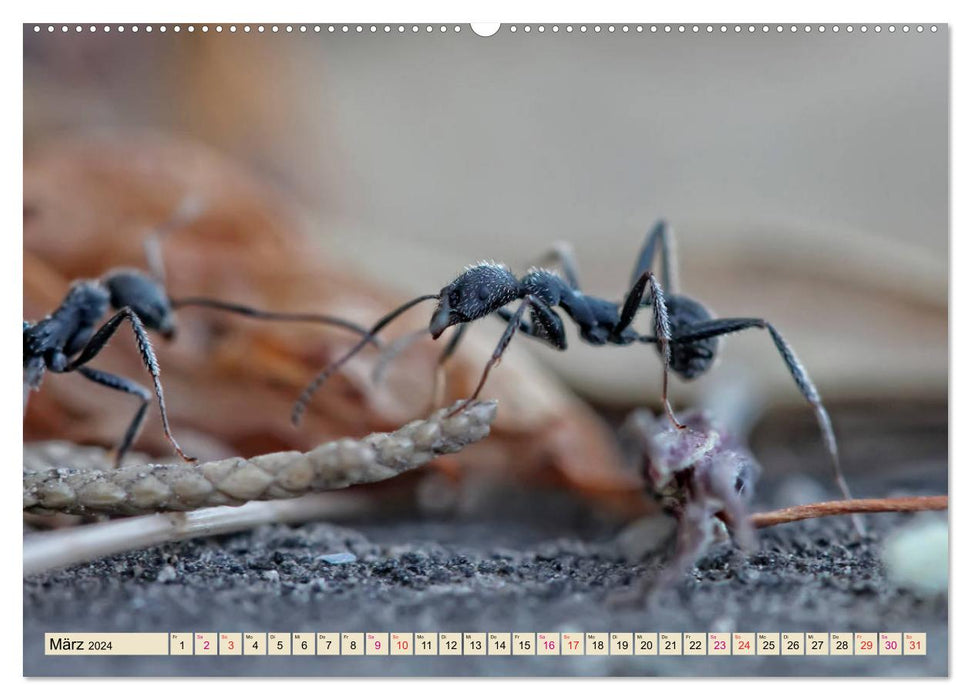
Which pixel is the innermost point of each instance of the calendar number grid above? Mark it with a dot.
(507, 644)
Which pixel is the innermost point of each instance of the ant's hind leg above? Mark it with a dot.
(129, 387)
(722, 326)
(645, 261)
(101, 338)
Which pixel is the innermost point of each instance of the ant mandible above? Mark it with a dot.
(66, 339)
(685, 334)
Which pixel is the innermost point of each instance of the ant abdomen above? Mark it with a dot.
(693, 358)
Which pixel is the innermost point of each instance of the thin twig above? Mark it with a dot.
(69, 546)
(858, 505)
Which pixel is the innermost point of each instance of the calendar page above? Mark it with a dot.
(520, 349)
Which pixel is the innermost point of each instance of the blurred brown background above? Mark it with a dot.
(806, 176)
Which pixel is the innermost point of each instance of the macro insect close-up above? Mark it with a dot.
(269, 404)
(684, 332)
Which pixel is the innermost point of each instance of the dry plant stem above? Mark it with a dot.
(66, 547)
(147, 488)
(859, 505)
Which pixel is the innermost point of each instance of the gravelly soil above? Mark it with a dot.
(502, 573)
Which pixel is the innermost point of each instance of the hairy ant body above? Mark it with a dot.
(69, 338)
(685, 334)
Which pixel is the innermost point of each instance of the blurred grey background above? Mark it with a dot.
(805, 175)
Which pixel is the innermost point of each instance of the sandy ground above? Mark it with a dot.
(511, 571)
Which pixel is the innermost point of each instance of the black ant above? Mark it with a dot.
(66, 339)
(685, 334)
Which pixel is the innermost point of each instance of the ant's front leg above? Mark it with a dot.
(544, 317)
(101, 338)
(662, 329)
(549, 328)
(537, 330)
(438, 385)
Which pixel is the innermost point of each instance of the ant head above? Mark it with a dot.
(477, 292)
(145, 296)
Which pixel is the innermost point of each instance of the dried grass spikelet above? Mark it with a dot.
(62, 478)
(230, 382)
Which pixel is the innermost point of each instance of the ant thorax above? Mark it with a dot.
(546, 285)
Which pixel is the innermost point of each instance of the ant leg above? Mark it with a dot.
(662, 329)
(438, 379)
(100, 339)
(403, 343)
(524, 326)
(722, 326)
(562, 254)
(129, 387)
(645, 260)
(514, 323)
(547, 326)
(544, 315)
(205, 302)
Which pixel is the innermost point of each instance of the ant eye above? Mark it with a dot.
(483, 292)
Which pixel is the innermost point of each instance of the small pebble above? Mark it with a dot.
(916, 556)
(166, 574)
(338, 558)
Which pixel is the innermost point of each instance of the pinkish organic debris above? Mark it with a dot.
(703, 476)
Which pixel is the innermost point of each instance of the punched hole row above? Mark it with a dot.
(512, 28)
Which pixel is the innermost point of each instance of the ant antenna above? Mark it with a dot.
(208, 303)
(188, 210)
(301, 405)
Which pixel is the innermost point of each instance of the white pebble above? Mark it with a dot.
(916, 556)
(166, 574)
